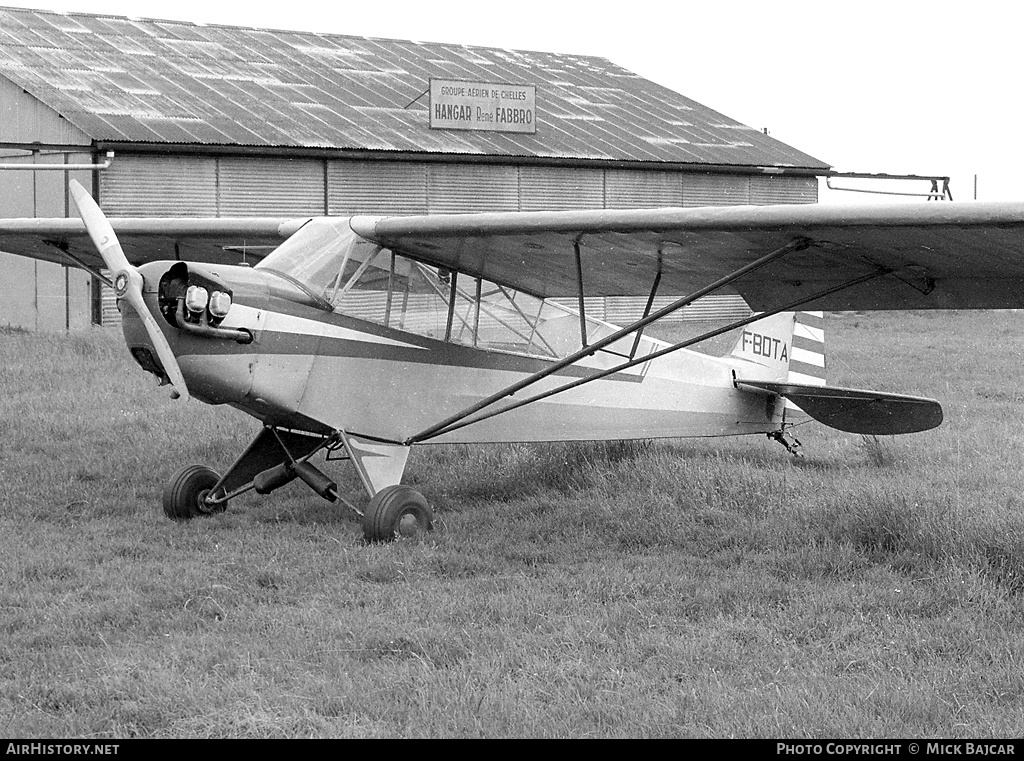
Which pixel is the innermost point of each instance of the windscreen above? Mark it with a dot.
(315, 255)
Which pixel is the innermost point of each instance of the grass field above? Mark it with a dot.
(703, 588)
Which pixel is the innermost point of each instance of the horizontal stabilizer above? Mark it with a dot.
(855, 410)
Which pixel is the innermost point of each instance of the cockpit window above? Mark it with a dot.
(359, 278)
(312, 255)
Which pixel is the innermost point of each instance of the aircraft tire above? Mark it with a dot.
(397, 512)
(185, 492)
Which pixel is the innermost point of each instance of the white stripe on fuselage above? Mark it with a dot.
(242, 316)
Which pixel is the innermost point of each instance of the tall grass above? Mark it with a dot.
(705, 588)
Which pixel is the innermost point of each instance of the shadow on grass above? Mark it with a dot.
(509, 472)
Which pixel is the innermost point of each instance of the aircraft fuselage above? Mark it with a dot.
(317, 370)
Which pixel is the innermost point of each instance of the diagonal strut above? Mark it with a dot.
(791, 306)
(446, 424)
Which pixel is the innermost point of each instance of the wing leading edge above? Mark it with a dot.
(922, 256)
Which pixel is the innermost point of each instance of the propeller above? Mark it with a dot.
(127, 280)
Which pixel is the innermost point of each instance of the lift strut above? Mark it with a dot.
(589, 350)
(466, 419)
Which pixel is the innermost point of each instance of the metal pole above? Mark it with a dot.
(655, 355)
(647, 311)
(579, 291)
(586, 351)
(61, 167)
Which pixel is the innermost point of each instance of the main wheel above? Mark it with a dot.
(186, 492)
(397, 511)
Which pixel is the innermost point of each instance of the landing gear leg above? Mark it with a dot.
(277, 457)
(788, 440)
(394, 511)
(274, 458)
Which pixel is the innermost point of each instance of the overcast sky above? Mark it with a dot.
(899, 86)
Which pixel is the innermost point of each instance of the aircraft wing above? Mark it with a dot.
(933, 255)
(217, 240)
(910, 256)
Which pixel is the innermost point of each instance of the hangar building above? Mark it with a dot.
(179, 119)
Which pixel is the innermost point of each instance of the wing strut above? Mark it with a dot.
(63, 248)
(650, 302)
(579, 290)
(447, 424)
(460, 420)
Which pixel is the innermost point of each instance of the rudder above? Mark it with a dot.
(807, 362)
(807, 365)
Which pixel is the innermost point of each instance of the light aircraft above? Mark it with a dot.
(359, 337)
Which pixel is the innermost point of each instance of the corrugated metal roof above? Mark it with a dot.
(148, 81)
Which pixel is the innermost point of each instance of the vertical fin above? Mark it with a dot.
(768, 343)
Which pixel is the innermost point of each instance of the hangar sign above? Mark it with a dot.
(486, 106)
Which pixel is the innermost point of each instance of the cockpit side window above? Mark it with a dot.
(376, 284)
(359, 278)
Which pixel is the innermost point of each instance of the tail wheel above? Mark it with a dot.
(397, 512)
(186, 492)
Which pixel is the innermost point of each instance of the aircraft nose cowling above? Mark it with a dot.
(140, 345)
(215, 355)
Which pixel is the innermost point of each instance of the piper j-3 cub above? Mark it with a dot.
(361, 337)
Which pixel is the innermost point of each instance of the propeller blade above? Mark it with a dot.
(163, 349)
(128, 280)
(99, 228)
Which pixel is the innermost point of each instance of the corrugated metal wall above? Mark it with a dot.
(271, 187)
(162, 186)
(772, 189)
(636, 189)
(715, 190)
(376, 187)
(39, 295)
(545, 188)
(467, 188)
(159, 185)
(141, 186)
